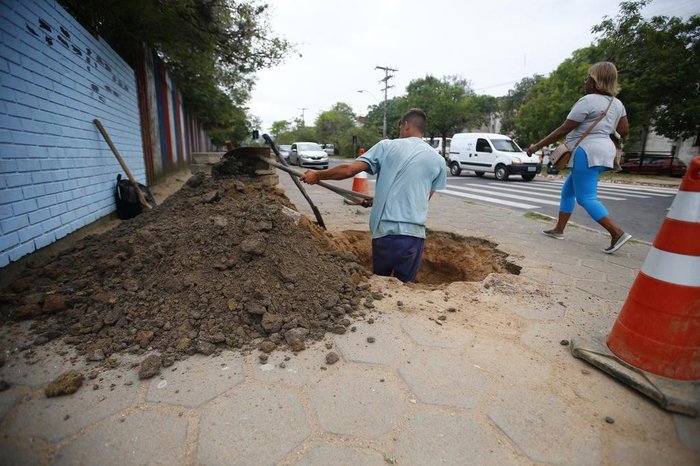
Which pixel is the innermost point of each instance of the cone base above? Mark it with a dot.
(672, 395)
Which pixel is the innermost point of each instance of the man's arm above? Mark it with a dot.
(339, 172)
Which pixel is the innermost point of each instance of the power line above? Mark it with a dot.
(385, 80)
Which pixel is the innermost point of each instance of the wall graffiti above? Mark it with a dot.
(93, 61)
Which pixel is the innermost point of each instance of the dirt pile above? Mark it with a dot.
(223, 263)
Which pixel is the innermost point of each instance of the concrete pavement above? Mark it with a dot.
(491, 385)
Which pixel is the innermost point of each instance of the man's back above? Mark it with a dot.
(407, 170)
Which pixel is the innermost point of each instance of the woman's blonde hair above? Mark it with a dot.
(604, 74)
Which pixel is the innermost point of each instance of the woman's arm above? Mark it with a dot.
(623, 127)
(554, 136)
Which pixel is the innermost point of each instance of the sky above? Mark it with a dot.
(491, 43)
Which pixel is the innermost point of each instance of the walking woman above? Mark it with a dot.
(594, 154)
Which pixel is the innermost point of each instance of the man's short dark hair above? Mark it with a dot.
(416, 118)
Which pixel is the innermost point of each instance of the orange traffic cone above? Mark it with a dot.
(359, 183)
(654, 345)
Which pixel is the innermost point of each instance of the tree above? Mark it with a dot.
(550, 99)
(450, 105)
(510, 104)
(279, 127)
(331, 124)
(659, 63)
(211, 47)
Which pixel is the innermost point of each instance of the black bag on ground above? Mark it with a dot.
(128, 205)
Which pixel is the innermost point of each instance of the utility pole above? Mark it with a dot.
(303, 122)
(385, 80)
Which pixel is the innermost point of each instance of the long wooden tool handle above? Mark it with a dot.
(336, 189)
(317, 213)
(102, 129)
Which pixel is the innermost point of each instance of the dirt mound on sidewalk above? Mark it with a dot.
(220, 264)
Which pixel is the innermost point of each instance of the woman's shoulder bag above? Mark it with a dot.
(560, 157)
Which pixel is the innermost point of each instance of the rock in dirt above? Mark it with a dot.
(371, 340)
(332, 358)
(150, 366)
(267, 346)
(205, 348)
(295, 334)
(65, 384)
(4, 385)
(54, 303)
(297, 345)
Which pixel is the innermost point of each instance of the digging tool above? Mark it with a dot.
(351, 196)
(317, 212)
(142, 199)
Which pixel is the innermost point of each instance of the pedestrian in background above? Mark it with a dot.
(408, 172)
(595, 153)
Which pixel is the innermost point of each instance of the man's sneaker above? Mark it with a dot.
(618, 244)
(553, 234)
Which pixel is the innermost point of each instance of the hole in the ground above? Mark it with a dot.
(447, 258)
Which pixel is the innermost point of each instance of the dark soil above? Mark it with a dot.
(223, 263)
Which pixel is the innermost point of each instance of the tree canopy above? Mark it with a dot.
(211, 47)
(658, 62)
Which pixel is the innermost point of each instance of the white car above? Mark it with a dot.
(284, 151)
(308, 154)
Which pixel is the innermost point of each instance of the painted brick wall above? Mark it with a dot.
(56, 172)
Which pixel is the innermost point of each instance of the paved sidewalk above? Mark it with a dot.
(491, 385)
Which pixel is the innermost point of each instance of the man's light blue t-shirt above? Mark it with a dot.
(407, 170)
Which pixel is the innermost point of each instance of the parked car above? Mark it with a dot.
(328, 149)
(655, 166)
(493, 153)
(308, 154)
(284, 151)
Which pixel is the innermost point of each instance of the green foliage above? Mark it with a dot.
(659, 63)
(450, 104)
(211, 47)
(511, 104)
(549, 99)
(280, 127)
(331, 124)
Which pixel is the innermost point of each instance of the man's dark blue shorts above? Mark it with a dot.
(397, 255)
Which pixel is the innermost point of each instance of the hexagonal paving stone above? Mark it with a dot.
(11, 397)
(605, 290)
(508, 363)
(440, 376)
(46, 417)
(325, 454)
(427, 333)
(302, 368)
(356, 402)
(183, 386)
(15, 456)
(435, 437)
(129, 440)
(545, 427)
(391, 345)
(49, 365)
(253, 423)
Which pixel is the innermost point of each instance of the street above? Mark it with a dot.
(639, 210)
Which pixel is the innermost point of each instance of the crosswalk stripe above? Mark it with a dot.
(487, 199)
(555, 192)
(636, 192)
(506, 195)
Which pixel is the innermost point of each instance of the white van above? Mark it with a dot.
(492, 153)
